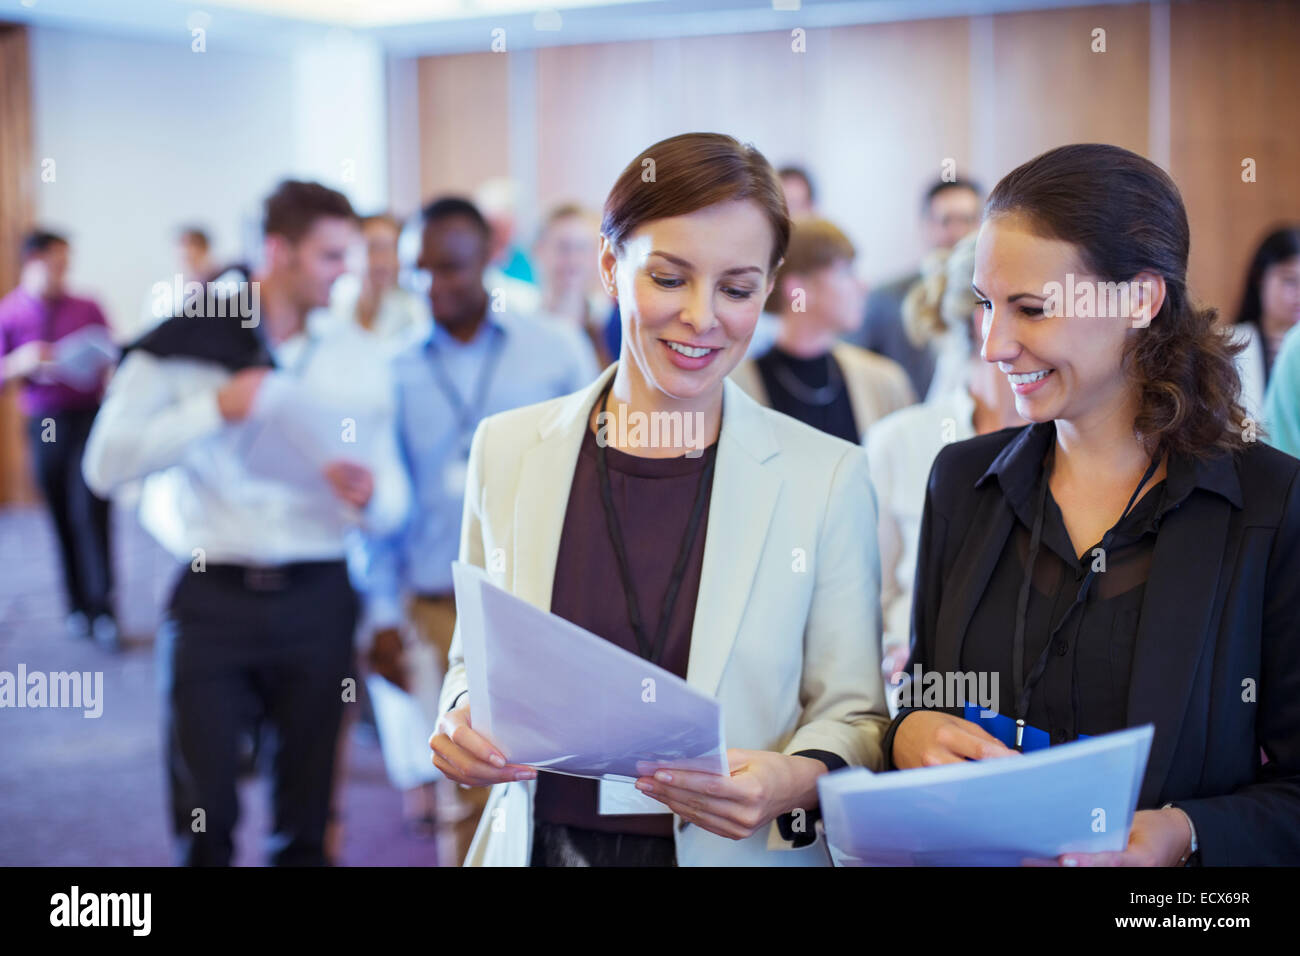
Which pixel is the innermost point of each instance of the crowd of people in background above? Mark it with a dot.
(418, 351)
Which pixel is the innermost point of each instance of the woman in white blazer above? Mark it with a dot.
(748, 564)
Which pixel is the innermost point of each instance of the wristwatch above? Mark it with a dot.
(1193, 849)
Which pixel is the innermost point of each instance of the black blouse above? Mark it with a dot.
(1215, 664)
(811, 390)
(1084, 687)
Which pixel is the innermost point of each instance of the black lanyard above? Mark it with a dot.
(1024, 687)
(467, 416)
(651, 652)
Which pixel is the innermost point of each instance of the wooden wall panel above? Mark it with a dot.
(1234, 95)
(1049, 88)
(853, 106)
(464, 121)
(892, 106)
(598, 105)
(16, 214)
(874, 109)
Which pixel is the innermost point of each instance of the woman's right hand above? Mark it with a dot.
(465, 756)
(927, 738)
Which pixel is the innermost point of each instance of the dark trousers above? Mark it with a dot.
(558, 845)
(243, 646)
(80, 517)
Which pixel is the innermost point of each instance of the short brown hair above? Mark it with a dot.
(295, 206)
(568, 210)
(387, 218)
(814, 244)
(691, 172)
(1124, 215)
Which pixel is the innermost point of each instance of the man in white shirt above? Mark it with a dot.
(265, 447)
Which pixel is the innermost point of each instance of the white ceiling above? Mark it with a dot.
(445, 26)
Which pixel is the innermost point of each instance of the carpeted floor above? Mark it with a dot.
(89, 792)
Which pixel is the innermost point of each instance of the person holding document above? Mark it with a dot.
(38, 320)
(225, 414)
(666, 511)
(1132, 556)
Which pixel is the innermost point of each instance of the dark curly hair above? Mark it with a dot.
(1124, 215)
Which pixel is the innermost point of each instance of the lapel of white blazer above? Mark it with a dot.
(545, 479)
(740, 510)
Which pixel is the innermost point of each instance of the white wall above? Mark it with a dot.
(340, 116)
(146, 135)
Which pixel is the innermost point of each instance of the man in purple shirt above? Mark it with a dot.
(62, 382)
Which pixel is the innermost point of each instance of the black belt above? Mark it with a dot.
(272, 577)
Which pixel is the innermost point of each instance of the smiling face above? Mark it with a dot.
(454, 253)
(310, 265)
(690, 289)
(1061, 366)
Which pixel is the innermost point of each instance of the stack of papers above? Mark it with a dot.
(294, 432)
(1074, 798)
(553, 696)
(81, 358)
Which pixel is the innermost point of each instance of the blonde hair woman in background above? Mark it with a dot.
(968, 397)
(809, 374)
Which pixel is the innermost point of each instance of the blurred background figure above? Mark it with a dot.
(949, 211)
(195, 253)
(800, 198)
(902, 446)
(808, 373)
(509, 272)
(56, 345)
(1282, 400)
(259, 625)
(565, 254)
(194, 263)
(479, 359)
(368, 295)
(1269, 309)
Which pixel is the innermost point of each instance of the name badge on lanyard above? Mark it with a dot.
(619, 798)
(455, 470)
(455, 473)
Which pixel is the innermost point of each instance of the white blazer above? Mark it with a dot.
(787, 622)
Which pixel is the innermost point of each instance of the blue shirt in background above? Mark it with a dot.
(1282, 401)
(444, 389)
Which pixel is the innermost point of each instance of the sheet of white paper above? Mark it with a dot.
(560, 698)
(294, 431)
(1076, 797)
(404, 731)
(81, 357)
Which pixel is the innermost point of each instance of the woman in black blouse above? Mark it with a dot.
(1132, 556)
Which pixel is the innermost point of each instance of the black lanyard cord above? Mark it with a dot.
(1024, 687)
(651, 652)
(467, 415)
